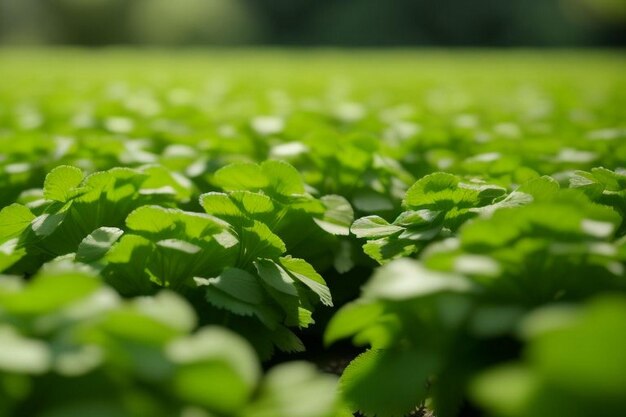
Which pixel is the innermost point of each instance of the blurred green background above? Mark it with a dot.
(564, 23)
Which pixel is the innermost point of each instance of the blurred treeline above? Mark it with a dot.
(315, 22)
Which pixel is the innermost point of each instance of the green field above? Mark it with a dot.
(272, 233)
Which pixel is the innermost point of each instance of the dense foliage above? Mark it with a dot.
(176, 238)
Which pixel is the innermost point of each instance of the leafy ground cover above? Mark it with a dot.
(267, 234)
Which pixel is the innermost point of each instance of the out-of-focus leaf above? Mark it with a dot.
(404, 279)
(295, 390)
(216, 369)
(337, 217)
(390, 383)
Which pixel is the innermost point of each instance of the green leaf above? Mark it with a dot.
(10, 254)
(430, 190)
(212, 384)
(351, 319)
(239, 284)
(275, 276)
(152, 219)
(49, 291)
(133, 325)
(178, 245)
(304, 272)
(14, 219)
(612, 180)
(224, 301)
(239, 292)
(219, 204)
(295, 389)
(444, 192)
(565, 367)
(241, 176)
(168, 308)
(417, 218)
(160, 222)
(305, 317)
(383, 250)
(515, 386)
(420, 235)
(97, 244)
(104, 180)
(389, 383)
(404, 279)
(259, 242)
(515, 199)
(160, 180)
(541, 189)
(19, 354)
(284, 179)
(371, 202)
(215, 343)
(562, 354)
(216, 369)
(337, 217)
(373, 227)
(125, 265)
(251, 203)
(599, 180)
(47, 223)
(286, 340)
(60, 182)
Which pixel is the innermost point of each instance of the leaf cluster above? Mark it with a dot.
(71, 345)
